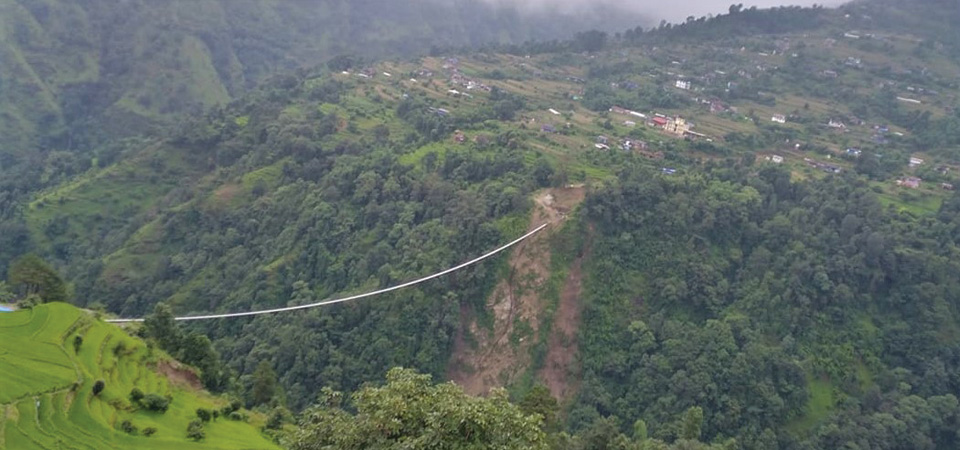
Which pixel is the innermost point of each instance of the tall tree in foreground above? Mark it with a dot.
(410, 412)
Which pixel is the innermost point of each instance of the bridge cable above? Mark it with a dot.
(353, 297)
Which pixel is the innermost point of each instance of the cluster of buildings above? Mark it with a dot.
(914, 183)
(677, 126)
(776, 159)
(718, 106)
(458, 79)
(627, 145)
(909, 182)
(460, 137)
(674, 125)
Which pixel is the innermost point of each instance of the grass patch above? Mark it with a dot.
(926, 205)
(818, 408)
(414, 158)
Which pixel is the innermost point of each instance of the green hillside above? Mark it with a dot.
(76, 74)
(755, 232)
(46, 389)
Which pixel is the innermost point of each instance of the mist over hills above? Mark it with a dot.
(134, 62)
(76, 74)
(656, 10)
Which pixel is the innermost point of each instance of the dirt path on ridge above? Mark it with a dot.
(499, 355)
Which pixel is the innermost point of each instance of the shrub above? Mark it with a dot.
(29, 301)
(154, 402)
(149, 431)
(77, 342)
(238, 416)
(195, 430)
(136, 395)
(98, 387)
(276, 419)
(233, 406)
(204, 414)
(128, 427)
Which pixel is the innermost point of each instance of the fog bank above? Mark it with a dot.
(675, 11)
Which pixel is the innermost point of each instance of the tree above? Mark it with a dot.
(590, 41)
(98, 387)
(163, 328)
(31, 275)
(77, 342)
(692, 423)
(6, 294)
(264, 383)
(542, 173)
(540, 401)
(640, 431)
(411, 412)
(197, 350)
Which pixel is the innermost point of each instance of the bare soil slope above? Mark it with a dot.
(561, 369)
(497, 357)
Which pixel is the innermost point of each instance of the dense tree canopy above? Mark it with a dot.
(411, 412)
(747, 298)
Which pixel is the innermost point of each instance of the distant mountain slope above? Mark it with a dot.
(73, 72)
(46, 389)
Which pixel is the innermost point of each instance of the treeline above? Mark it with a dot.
(739, 22)
(751, 296)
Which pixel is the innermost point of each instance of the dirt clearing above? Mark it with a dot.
(179, 374)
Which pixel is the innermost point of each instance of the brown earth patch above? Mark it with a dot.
(561, 369)
(179, 375)
(499, 355)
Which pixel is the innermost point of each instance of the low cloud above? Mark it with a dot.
(675, 11)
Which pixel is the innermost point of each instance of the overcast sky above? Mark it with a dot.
(672, 10)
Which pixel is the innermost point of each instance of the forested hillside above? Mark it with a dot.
(76, 75)
(779, 307)
(753, 236)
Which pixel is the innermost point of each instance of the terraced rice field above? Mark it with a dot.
(46, 389)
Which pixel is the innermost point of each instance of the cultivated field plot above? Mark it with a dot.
(46, 389)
